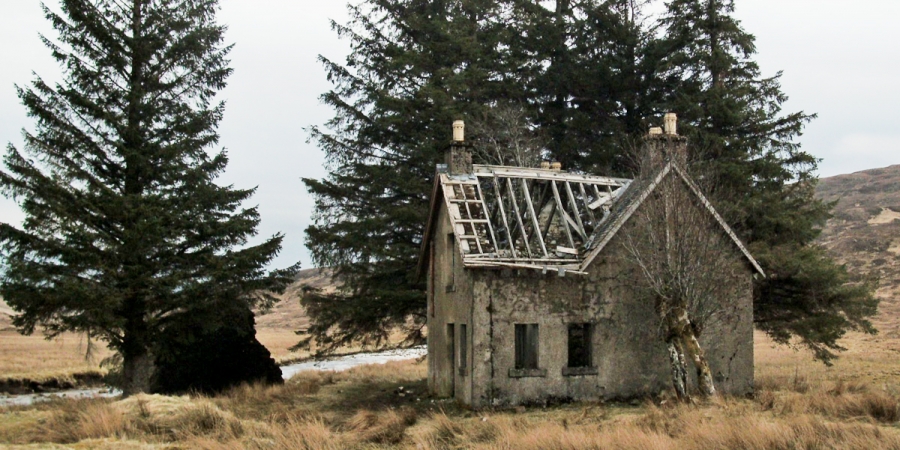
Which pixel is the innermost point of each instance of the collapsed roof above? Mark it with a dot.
(544, 219)
(525, 217)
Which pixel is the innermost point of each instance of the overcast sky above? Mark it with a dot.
(840, 59)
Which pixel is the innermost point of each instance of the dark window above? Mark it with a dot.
(580, 345)
(463, 348)
(451, 344)
(451, 248)
(526, 346)
(431, 288)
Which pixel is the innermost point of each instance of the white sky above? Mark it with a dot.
(840, 59)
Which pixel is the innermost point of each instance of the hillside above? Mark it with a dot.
(287, 314)
(865, 232)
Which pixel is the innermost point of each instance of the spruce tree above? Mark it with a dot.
(415, 67)
(126, 232)
(599, 79)
(764, 180)
(592, 76)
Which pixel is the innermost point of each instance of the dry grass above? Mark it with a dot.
(362, 408)
(684, 427)
(35, 358)
(870, 360)
(27, 359)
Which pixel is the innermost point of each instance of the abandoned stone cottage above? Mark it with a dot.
(523, 299)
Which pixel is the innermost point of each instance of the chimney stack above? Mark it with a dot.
(671, 121)
(458, 157)
(459, 131)
(664, 143)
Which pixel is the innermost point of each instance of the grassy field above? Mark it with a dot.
(33, 358)
(62, 362)
(65, 360)
(800, 405)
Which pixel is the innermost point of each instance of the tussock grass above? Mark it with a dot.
(383, 427)
(385, 406)
(729, 426)
(878, 406)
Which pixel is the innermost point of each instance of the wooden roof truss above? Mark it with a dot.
(527, 218)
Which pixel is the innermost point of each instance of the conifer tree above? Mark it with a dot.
(599, 78)
(591, 76)
(126, 231)
(764, 180)
(415, 67)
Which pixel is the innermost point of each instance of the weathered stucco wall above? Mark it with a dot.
(628, 353)
(450, 299)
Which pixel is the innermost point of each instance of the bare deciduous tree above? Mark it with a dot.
(688, 267)
(504, 136)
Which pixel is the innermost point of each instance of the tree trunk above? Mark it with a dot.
(136, 373)
(698, 357)
(679, 369)
(138, 363)
(683, 339)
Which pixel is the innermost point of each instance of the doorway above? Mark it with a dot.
(451, 354)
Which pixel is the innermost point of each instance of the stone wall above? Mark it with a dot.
(450, 299)
(628, 354)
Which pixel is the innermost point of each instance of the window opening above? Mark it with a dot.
(526, 346)
(451, 248)
(463, 349)
(580, 345)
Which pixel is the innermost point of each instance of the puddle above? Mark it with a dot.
(341, 363)
(30, 399)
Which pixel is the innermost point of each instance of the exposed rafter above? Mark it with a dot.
(524, 217)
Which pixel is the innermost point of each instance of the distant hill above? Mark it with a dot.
(288, 314)
(865, 232)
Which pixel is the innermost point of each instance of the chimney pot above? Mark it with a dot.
(671, 124)
(556, 165)
(656, 131)
(459, 131)
(545, 165)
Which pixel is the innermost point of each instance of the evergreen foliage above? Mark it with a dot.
(591, 76)
(126, 232)
(764, 181)
(212, 356)
(598, 79)
(416, 66)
